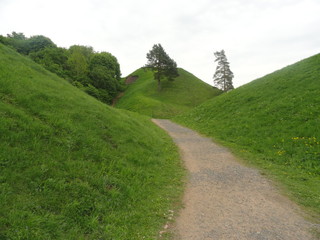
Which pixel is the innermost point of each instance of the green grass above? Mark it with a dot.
(274, 123)
(75, 168)
(175, 97)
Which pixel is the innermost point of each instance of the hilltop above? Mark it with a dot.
(273, 122)
(175, 97)
(75, 168)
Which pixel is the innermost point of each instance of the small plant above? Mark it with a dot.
(302, 152)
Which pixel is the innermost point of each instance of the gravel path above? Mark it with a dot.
(226, 200)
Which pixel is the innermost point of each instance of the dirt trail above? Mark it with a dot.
(115, 100)
(225, 200)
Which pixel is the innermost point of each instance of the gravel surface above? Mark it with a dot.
(226, 200)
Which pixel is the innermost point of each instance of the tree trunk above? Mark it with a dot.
(159, 84)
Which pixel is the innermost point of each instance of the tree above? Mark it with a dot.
(105, 75)
(17, 36)
(78, 65)
(53, 59)
(86, 51)
(161, 64)
(16, 40)
(26, 45)
(223, 75)
(98, 74)
(108, 61)
(37, 43)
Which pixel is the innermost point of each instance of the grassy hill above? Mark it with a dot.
(175, 97)
(74, 168)
(274, 122)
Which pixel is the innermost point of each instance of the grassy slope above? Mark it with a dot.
(74, 168)
(175, 97)
(274, 122)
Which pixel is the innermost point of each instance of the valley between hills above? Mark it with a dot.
(73, 167)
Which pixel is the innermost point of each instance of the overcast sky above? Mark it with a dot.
(258, 36)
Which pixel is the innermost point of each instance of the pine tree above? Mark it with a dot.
(223, 75)
(161, 64)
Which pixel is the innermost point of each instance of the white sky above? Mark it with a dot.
(258, 36)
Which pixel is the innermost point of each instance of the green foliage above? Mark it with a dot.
(103, 79)
(176, 97)
(223, 75)
(53, 59)
(108, 61)
(105, 73)
(26, 45)
(101, 94)
(274, 122)
(161, 64)
(37, 43)
(98, 73)
(74, 168)
(17, 36)
(78, 63)
(86, 51)
(78, 66)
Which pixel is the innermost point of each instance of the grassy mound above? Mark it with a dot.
(175, 97)
(274, 122)
(74, 168)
